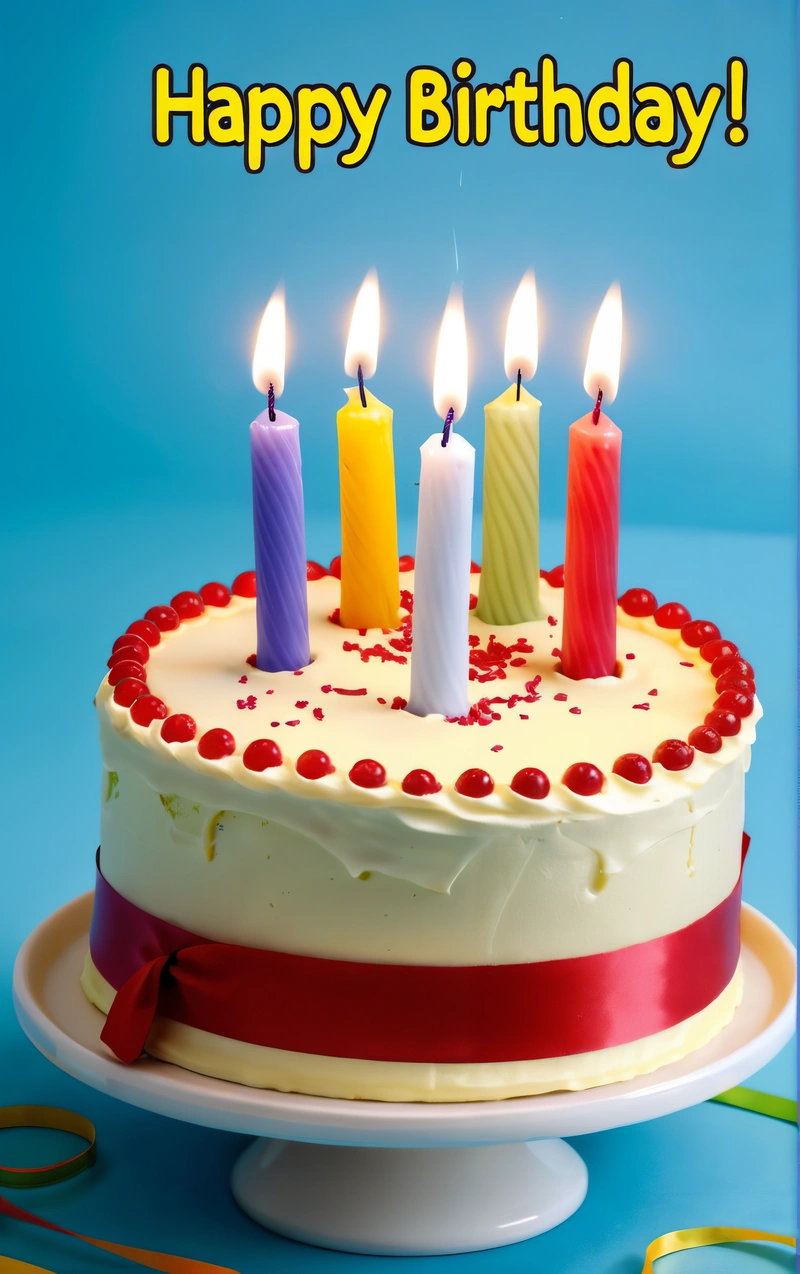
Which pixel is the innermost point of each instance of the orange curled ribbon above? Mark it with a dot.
(707, 1236)
(29, 1178)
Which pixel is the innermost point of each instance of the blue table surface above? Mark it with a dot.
(73, 586)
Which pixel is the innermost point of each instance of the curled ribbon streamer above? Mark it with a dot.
(760, 1103)
(707, 1236)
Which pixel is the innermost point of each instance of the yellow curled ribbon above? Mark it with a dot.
(707, 1236)
(47, 1117)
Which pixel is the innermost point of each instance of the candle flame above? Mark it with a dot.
(269, 359)
(365, 326)
(450, 372)
(522, 331)
(605, 347)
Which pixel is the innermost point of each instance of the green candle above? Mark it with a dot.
(509, 589)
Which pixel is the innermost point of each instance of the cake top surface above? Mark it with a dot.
(349, 704)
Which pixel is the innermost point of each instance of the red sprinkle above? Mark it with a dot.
(583, 778)
(315, 571)
(340, 690)
(644, 706)
(630, 656)
(634, 767)
(275, 724)
(314, 764)
(705, 739)
(319, 714)
(735, 701)
(554, 577)
(672, 615)
(531, 783)
(179, 728)
(188, 605)
(475, 783)
(126, 691)
(215, 594)
(638, 602)
(552, 621)
(711, 650)
(652, 692)
(555, 652)
(292, 722)
(262, 754)
(335, 568)
(243, 682)
(126, 668)
(215, 744)
(148, 708)
(245, 584)
(252, 660)
(368, 773)
(145, 629)
(686, 664)
(165, 618)
(398, 703)
(560, 698)
(381, 700)
(298, 672)
(699, 631)
(406, 563)
(301, 703)
(576, 711)
(498, 747)
(674, 754)
(420, 783)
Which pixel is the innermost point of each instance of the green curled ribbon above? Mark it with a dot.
(48, 1117)
(760, 1103)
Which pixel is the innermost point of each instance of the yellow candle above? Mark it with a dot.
(370, 579)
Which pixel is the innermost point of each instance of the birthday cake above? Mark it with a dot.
(304, 886)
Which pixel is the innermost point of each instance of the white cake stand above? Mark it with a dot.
(399, 1178)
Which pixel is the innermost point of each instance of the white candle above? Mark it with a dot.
(440, 651)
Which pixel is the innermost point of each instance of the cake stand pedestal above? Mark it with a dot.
(399, 1178)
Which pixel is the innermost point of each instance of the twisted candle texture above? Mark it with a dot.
(280, 544)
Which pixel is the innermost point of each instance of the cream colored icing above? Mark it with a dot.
(344, 1077)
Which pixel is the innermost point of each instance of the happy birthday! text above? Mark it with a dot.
(538, 110)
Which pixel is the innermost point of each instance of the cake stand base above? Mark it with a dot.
(409, 1202)
(413, 1178)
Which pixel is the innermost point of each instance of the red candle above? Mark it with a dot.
(589, 643)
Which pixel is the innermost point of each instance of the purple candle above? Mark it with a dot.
(278, 524)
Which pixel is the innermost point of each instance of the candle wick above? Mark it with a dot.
(596, 409)
(448, 420)
(361, 386)
(519, 381)
(271, 401)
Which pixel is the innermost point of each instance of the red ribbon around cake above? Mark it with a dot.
(404, 1012)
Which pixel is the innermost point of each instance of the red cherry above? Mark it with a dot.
(638, 602)
(146, 630)
(634, 767)
(475, 783)
(368, 774)
(216, 743)
(188, 605)
(421, 783)
(126, 668)
(705, 739)
(671, 615)
(555, 577)
(245, 584)
(711, 650)
(735, 701)
(139, 644)
(725, 723)
(674, 754)
(730, 679)
(314, 764)
(532, 783)
(262, 754)
(140, 653)
(179, 728)
(315, 571)
(583, 778)
(165, 618)
(148, 708)
(406, 562)
(335, 568)
(732, 663)
(474, 568)
(126, 691)
(215, 594)
(698, 631)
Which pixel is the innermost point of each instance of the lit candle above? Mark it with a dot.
(440, 651)
(278, 526)
(589, 642)
(370, 595)
(509, 588)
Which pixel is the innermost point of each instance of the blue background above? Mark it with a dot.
(135, 277)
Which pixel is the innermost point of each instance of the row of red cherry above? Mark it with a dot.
(735, 688)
